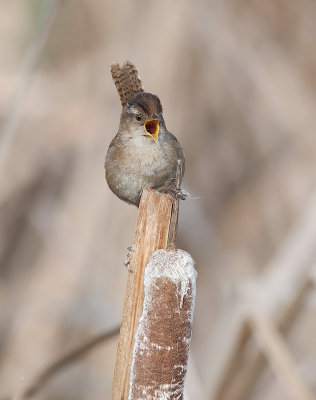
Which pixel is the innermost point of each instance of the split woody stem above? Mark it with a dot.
(151, 233)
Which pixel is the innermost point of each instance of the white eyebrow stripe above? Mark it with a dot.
(134, 110)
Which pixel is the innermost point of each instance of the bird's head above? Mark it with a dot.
(143, 116)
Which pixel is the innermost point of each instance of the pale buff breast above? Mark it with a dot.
(138, 164)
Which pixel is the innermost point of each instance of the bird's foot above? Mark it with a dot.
(127, 261)
(178, 193)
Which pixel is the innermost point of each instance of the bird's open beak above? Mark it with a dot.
(152, 128)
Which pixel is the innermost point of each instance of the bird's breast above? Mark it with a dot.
(136, 165)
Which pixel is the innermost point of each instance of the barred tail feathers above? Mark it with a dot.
(116, 73)
(136, 83)
(127, 81)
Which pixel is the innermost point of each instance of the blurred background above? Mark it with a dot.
(237, 80)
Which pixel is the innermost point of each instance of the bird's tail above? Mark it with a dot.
(127, 81)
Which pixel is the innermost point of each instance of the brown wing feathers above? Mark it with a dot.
(127, 81)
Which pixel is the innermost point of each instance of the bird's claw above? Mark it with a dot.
(178, 193)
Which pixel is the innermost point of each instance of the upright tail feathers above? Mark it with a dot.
(127, 81)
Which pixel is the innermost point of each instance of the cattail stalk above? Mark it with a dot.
(151, 233)
(154, 365)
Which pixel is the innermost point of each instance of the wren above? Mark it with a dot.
(143, 154)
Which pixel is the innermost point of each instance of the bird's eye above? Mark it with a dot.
(138, 117)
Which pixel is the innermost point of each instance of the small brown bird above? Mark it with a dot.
(143, 154)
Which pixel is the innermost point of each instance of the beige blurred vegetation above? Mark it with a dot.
(237, 80)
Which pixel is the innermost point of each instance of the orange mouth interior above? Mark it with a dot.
(152, 128)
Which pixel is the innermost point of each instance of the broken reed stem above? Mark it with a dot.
(278, 355)
(64, 361)
(151, 233)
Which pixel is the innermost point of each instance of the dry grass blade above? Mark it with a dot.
(10, 124)
(57, 366)
(175, 211)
